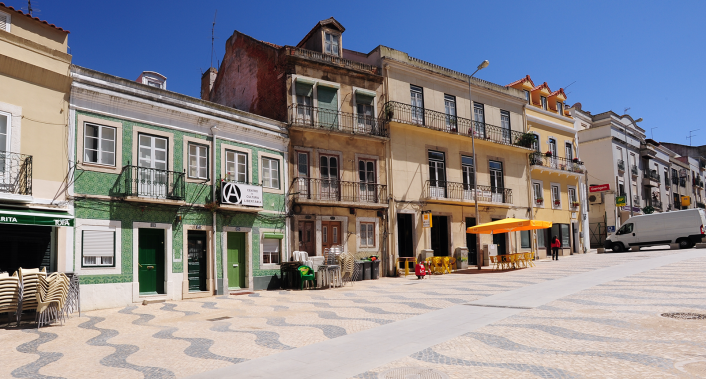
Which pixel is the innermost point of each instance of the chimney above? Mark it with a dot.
(207, 80)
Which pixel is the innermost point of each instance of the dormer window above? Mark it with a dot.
(560, 107)
(331, 44)
(153, 83)
(5, 21)
(527, 97)
(544, 102)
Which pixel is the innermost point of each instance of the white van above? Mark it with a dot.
(683, 227)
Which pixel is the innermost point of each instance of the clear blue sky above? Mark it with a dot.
(646, 55)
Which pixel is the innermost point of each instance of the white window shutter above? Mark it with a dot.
(98, 243)
(270, 245)
(5, 22)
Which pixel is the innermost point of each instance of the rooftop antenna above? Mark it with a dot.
(29, 8)
(625, 111)
(652, 136)
(691, 135)
(569, 85)
(213, 27)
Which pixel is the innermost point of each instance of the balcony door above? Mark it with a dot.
(152, 171)
(505, 126)
(365, 113)
(479, 120)
(329, 178)
(497, 187)
(327, 99)
(437, 174)
(303, 174)
(417, 102)
(5, 157)
(368, 185)
(553, 150)
(468, 177)
(304, 104)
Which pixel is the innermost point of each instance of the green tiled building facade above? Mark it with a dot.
(145, 199)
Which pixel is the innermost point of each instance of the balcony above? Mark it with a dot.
(15, 177)
(317, 191)
(656, 204)
(562, 165)
(459, 192)
(150, 184)
(621, 165)
(636, 201)
(321, 119)
(634, 171)
(330, 59)
(651, 178)
(682, 182)
(425, 118)
(697, 182)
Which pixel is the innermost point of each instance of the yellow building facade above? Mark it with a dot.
(556, 172)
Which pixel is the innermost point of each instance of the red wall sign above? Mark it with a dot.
(599, 188)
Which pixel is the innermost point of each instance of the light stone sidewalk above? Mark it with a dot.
(186, 338)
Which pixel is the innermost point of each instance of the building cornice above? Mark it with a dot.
(549, 123)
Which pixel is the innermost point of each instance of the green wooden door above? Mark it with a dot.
(236, 260)
(150, 261)
(328, 107)
(197, 251)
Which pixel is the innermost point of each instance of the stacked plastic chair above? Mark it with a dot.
(52, 293)
(347, 263)
(9, 294)
(73, 302)
(29, 278)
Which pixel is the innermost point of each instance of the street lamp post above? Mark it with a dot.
(625, 133)
(481, 66)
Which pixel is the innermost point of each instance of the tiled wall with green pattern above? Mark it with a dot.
(97, 183)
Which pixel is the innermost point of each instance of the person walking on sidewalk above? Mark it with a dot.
(556, 244)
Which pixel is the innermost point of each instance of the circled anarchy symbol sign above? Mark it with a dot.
(231, 193)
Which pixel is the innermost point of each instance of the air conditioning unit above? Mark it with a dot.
(595, 198)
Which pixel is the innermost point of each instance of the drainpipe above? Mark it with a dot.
(213, 198)
(529, 182)
(389, 258)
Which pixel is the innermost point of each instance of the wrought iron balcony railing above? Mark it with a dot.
(434, 189)
(151, 183)
(408, 114)
(15, 173)
(621, 165)
(327, 119)
(634, 171)
(331, 59)
(675, 180)
(563, 164)
(656, 204)
(338, 190)
(652, 175)
(682, 182)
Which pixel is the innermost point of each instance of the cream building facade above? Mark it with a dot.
(35, 219)
(428, 113)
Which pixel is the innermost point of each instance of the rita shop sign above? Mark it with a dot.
(241, 194)
(599, 188)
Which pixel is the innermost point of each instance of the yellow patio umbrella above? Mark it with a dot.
(508, 225)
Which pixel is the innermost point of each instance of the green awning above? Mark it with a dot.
(277, 236)
(35, 217)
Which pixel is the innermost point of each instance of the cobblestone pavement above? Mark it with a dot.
(610, 330)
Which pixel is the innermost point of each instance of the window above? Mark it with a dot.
(417, 102)
(537, 189)
(366, 174)
(560, 107)
(98, 144)
(331, 44)
(479, 119)
(556, 196)
(302, 164)
(236, 166)
(468, 172)
(565, 236)
(450, 109)
(544, 102)
(535, 143)
(367, 234)
(270, 173)
(4, 132)
(497, 186)
(98, 248)
(572, 197)
(5, 21)
(437, 172)
(154, 84)
(525, 239)
(569, 150)
(527, 97)
(621, 189)
(270, 250)
(198, 161)
(365, 111)
(505, 125)
(627, 228)
(540, 238)
(304, 94)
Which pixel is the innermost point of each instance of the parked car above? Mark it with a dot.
(683, 227)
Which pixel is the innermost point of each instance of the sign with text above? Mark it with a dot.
(241, 194)
(599, 188)
(685, 201)
(620, 201)
(426, 220)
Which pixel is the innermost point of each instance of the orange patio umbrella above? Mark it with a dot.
(508, 225)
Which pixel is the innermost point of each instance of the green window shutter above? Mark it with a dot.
(277, 236)
(364, 99)
(304, 89)
(328, 106)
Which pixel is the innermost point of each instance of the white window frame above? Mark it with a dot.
(100, 143)
(360, 222)
(330, 45)
(100, 225)
(558, 187)
(560, 107)
(367, 232)
(270, 170)
(8, 132)
(543, 102)
(568, 194)
(9, 21)
(534, 193)
(234, 154)
(83, 247)
(282, 251)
